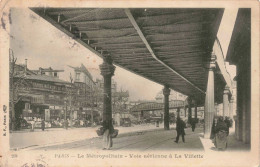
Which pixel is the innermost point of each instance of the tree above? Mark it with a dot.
(94, 95)
(12, 62)
(70, 94)
(119, 100)
(16, 81)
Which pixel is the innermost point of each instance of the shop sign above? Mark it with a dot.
(58, 107)
(27, 111)
(52, 107)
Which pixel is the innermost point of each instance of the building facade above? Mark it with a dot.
(37, 95)
(85, 97)
(239, 54)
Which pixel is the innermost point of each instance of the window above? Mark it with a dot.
(27, 106)
(51, 96)
(40, 85)
(55, 74)
(77, 76)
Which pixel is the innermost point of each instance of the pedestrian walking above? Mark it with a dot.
(66, 124)
(108, 131)
(180, 125)
(33, 123)
(157, 123)
(43, 124)
(193, 124)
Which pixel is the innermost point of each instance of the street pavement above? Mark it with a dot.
(143, 141)
(53, 136)
(139, 137)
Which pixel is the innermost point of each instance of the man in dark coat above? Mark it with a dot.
(193, 124)
(66, 124)
(43, 125)
(180, 125)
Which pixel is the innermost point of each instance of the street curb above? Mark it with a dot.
(46, 130)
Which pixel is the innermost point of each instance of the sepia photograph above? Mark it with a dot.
(130, 85)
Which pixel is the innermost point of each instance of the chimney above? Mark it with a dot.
(25, 66)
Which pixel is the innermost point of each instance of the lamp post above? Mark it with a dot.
(65, 114)
(70, 93)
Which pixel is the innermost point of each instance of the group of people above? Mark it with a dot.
(220, 131)
(108, 130)
(33, 122)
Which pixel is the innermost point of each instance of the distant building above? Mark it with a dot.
(120, 103)
(100, 85)
(38, 95)
(86, 96)
(48, 71)
(174, 95)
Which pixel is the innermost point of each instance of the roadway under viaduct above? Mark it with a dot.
(176, 48)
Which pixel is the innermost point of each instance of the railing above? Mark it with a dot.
(156, 106)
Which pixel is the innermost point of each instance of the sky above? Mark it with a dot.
(224, 35)
(45, 46)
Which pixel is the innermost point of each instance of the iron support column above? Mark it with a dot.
(196, 110)
(216, 109)
(231, 107)
(209, 100)
(189, 110)
(166, 93)
(107, 71)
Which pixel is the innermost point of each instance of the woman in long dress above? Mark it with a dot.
(108, 131)
(221, 133)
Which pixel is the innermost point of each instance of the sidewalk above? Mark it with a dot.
(233, 144)
(53, 136)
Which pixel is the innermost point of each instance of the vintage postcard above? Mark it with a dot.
(129, 83)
